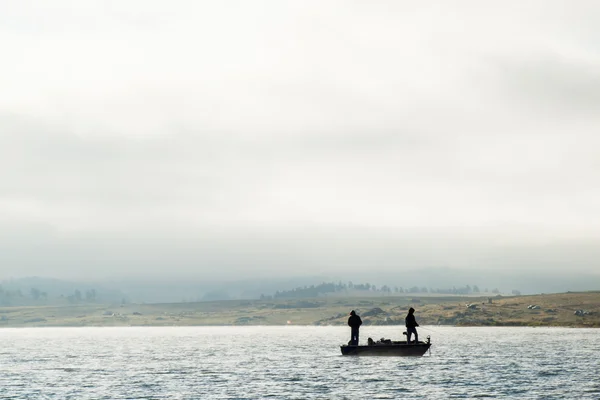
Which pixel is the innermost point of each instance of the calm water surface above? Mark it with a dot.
(295, 363)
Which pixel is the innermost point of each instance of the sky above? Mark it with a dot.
(233, 138)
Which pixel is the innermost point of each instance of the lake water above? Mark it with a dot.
(295, 363)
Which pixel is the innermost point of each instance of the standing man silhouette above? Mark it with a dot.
(354, 322)
(411, 325)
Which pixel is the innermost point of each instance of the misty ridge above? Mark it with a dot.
(422, 282)
(294, 152)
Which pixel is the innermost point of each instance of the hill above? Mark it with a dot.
(564, 309)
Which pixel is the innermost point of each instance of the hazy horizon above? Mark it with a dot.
(271, 139)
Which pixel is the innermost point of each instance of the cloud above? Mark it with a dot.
(130, 131)
(553, 82)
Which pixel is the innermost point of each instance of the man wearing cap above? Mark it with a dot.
(354, 322)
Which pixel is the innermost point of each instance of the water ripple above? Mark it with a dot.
(294, 363)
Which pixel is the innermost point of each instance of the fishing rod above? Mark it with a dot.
(427, 329)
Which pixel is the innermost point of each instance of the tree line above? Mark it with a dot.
(12, 297)
(328, 288)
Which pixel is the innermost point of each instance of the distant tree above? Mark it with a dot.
(35, 293)
(475, 289)
(90, 295)
(516, 292)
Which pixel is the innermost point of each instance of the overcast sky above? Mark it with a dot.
(236, 138)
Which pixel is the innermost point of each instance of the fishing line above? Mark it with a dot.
(427, 329)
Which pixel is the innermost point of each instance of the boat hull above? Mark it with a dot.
(396, 349)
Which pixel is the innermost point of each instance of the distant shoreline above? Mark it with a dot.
(568, 310)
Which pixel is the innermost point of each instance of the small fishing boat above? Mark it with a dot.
(387, 348)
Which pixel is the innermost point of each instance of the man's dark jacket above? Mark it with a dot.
(354, 321)
(411, 322)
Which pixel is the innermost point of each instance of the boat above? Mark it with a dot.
(385, 347)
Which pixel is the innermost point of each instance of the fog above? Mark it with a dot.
(236, 140)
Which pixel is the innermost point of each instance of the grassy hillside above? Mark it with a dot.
(550, 310)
